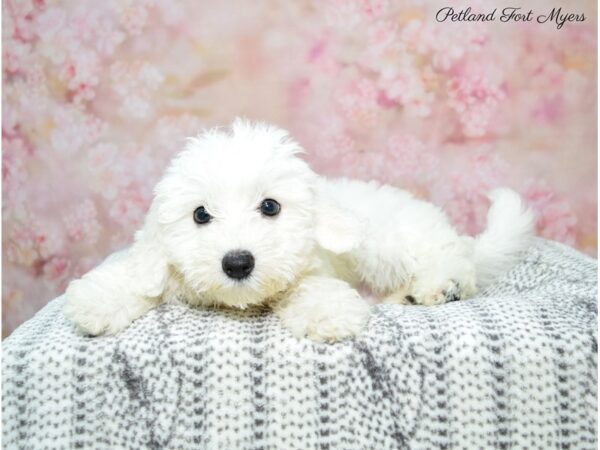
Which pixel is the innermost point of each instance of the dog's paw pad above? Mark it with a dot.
(450, 292)
(409, 299)
(453, 293)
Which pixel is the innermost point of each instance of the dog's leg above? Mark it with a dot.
(401, 296)
(122, 288)
(446, 278)
(323, 309)
(429, 294)
(110, 297)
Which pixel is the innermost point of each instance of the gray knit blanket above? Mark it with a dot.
(513, 368)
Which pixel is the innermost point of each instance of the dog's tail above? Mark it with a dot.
(509, 232)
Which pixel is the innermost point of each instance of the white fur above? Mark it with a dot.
(411, 250)
(509, 231)
(329, 235)
(323, 309)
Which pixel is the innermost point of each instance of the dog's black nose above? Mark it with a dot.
(238, 264)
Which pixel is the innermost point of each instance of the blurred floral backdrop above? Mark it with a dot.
(98, 95)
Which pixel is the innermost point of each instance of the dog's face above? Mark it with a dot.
(237, 215)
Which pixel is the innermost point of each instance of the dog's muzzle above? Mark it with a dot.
(238, 264)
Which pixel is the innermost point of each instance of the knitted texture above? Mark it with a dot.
(513, 368)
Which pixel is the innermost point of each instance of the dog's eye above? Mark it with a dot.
(201, 216)
(270, 207)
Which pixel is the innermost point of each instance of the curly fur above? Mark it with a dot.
(329, 236)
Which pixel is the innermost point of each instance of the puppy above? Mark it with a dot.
(239, 219)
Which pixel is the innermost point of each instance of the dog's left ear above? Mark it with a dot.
(336, 229)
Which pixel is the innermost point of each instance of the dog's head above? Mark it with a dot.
(238, 216)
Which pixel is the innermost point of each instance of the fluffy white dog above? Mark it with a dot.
(239, 219)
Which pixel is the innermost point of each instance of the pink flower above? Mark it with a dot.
(74, 129)
(548, 75)
(342, 13)
(374, 8)
(80, 73)
(407, 88)
(30, 243)
(357, 101)
(82, 224)
(16, 56)
(445, 46)
(383, 39)
(10, 122)
(56, 268)
(475, 99)
(21, 247)
(19, 17)
(50, 22)
(82, 93)
(328, 141)
(133, 18)
(130, 206)
(134, 83)
(108, 37)
(14, 175)
(347, 15)
(554, 216)
(172, 129)
(409, 160)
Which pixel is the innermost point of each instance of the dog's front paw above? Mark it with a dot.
(96, 311)
(85, 307)
(324, 310)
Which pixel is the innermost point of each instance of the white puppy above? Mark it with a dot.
(238, 220)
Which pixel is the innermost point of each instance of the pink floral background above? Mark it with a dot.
(98, 95)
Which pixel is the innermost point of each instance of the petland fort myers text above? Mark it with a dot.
(513, 14)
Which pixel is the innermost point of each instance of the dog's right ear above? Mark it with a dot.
(147, 261)
(336, 229)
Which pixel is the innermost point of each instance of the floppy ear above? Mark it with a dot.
(336, 229)
(146, 260)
